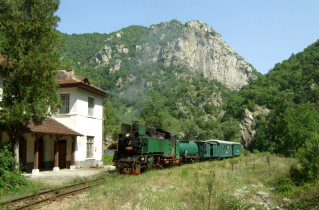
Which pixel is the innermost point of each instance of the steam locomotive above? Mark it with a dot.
(142, 148)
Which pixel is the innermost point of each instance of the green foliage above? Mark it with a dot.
(231, 130)
(112, 120)
(31, 51)
(291, 91)
(261, 141)
(285, 186)
(10, 177)
(107, 159)
(290, 126)
(307, 156)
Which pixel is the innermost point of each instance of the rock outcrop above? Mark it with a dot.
(248, 124)
(201, 49)
(194, 45)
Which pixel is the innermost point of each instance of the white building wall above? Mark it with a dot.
(79, 120)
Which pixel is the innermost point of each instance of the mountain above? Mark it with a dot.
(194, 45)
(185, 67)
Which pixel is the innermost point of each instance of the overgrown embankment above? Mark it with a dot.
(258, 180)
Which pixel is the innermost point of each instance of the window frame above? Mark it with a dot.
(89, 146)
(91, 104)
(65, 107)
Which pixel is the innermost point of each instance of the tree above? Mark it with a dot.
(30, 48)
(308, 159)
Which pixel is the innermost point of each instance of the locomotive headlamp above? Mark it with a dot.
(127, 135)
(142, 159)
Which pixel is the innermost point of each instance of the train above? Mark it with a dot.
(142, 148)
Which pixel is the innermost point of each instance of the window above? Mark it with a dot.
(90, 106)
(65, 108)
(89, 146)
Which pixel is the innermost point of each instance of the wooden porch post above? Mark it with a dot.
(56, 155)
(35, 170)
(72, 166)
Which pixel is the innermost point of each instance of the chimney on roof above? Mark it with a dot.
(71, 71)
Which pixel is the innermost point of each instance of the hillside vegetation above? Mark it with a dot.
(172, 97)
(290, 90)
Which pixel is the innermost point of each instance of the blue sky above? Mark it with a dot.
(263, 32)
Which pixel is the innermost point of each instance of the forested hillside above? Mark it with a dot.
(150, 73)
(290, 90)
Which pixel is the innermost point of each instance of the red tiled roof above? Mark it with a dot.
(51, 126)
(66, 78)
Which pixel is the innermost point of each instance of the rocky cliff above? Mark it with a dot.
(194, 45)
(248, 124)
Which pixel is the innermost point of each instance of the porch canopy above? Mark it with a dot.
(51, 127)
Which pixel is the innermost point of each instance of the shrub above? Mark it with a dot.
(246, 153)
(309, 161)
(285, 186)
(10, 177)
(256, 151)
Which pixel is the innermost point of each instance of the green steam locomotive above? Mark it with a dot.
(142, 148)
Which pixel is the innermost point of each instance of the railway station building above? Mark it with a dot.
(72, 137)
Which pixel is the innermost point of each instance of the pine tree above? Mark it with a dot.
(29, 46)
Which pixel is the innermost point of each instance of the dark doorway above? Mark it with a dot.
(62, 153)
(23, 153)
(41, 150)
(39, 143)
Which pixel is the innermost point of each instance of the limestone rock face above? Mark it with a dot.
(248, 124)
(194, 45)
(200, 48)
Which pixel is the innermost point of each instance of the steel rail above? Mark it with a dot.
(16, 203)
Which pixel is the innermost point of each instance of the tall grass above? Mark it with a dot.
(107, 159)
(241, 183)
(254, 181)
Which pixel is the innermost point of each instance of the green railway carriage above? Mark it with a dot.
(203, 150)
(236, 149)
(207, 150)
(213, 149)
(224, 148)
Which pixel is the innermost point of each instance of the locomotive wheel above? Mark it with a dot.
(124, 168)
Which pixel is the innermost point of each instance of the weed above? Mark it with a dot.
(210, 183)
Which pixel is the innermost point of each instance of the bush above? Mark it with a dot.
(309, 161)
(246, 152)
(285, 186)
(256, 151)
(10, 177)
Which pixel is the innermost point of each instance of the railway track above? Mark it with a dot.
(29, 201)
